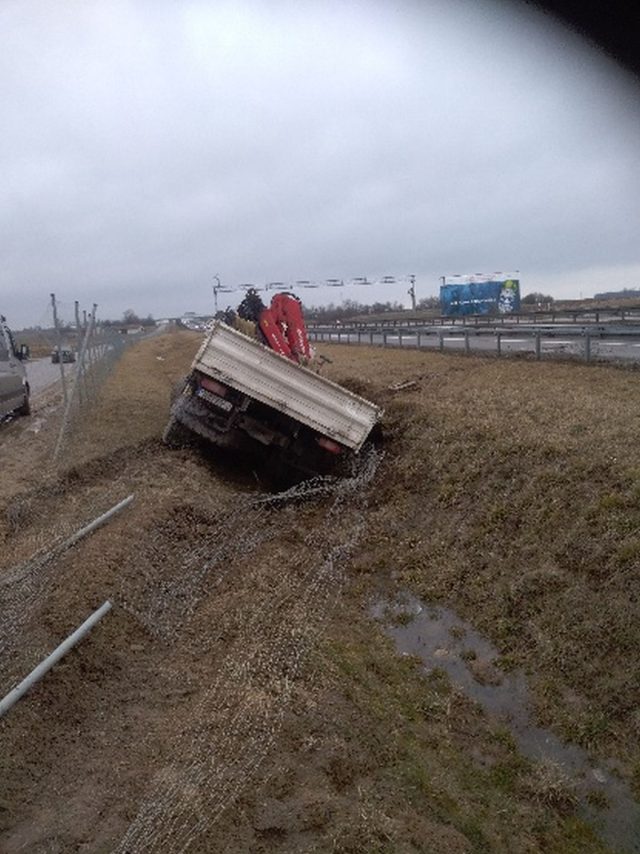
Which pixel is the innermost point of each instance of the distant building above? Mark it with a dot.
(627, 293)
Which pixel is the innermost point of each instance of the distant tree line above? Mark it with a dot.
(352, 308)
(130, 318)
(537, 298)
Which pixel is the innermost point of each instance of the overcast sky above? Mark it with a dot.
(146, 146)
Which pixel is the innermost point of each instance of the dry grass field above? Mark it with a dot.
(240, 698)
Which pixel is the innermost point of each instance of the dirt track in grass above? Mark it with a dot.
(239, 698)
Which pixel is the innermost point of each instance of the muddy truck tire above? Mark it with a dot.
(175, 434)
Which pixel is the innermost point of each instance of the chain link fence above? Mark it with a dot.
(100, 350)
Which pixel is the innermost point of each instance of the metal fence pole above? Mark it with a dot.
(371, 338)
(419, 339)
(467, 346)
(13, 696)
(67, 410)
(538, 348)
(440, 341)
(59, 346)
(384, 339)
(499, 343)
(587, 346)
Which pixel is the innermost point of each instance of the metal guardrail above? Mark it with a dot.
(589, 315)
(432, 338)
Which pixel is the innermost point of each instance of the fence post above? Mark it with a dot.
(587, 346)
(67, 409)
(384, 339)
(467, 348)
(440, 341)
(359, 336)
(418, 339)
(499, 343)
(538, 349)
(59, 346)
(371, 338)
(400, 338)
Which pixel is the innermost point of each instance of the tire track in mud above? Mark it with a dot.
(236, 721)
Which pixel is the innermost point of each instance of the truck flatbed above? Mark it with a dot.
(251, 368)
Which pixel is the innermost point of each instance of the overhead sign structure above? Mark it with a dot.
(479, 294)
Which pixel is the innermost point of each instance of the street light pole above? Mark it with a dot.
(412, 291)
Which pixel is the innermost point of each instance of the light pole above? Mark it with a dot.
(412, 291)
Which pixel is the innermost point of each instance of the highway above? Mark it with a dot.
(626, 348)
(41, 374)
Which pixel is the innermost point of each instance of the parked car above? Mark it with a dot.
(67, 355)
(14, 388)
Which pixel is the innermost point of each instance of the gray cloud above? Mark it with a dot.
(146, 147)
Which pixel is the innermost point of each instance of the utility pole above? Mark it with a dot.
(412, 291)
(59, 337)
(216, 288)
(76, 306)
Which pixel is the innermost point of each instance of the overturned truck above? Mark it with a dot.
(239, 394)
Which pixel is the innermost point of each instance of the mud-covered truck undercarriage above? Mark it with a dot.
(240, 394)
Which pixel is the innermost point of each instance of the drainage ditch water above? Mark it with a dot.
(441, 640)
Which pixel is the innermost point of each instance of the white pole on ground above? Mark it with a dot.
(20, 572)
(38, 672)
(73, 539)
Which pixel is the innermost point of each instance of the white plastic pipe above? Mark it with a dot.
(95, 524)
(19, 573)
(37, 673)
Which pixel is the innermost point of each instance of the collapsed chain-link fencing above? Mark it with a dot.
(234, 725)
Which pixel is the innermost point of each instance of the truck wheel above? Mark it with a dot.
(175, 434)
(177, 389)
(25, 408)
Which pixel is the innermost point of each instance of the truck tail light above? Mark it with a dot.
(329, 445)
(213, 386)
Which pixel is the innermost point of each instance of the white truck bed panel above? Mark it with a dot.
(251, 368)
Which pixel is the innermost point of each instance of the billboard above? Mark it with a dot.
(495, 294)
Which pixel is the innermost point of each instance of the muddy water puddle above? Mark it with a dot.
(441, 640)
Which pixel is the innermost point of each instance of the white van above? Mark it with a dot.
(14, 388)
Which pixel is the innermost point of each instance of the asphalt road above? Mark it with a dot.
(41, 374)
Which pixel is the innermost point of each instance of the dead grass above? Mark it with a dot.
(513, 494)
(509, 491)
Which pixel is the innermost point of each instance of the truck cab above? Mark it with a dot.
(14, 387)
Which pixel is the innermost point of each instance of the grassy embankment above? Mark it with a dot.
(508, 492)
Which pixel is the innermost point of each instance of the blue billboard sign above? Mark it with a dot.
(461, 295)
